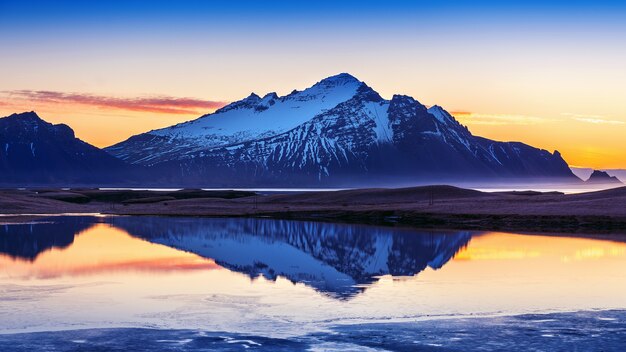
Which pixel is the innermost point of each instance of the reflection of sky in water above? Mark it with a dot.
(279, 277)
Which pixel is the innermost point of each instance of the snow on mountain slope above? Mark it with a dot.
(338, 138)
(364, 138)
(251, 118)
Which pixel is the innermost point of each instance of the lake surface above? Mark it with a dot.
(231, 284)
(564, 188)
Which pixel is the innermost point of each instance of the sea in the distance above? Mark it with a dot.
(100, 283)
(548, 187)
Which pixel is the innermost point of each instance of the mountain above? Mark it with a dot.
(602, 177)
(619, 173)
(336, 259)
(252, 118)
(585, 172)
(33, 151)
(337, 132)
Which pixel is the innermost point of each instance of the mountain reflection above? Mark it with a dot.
(335, 259)
(332, 258)
(27, 241)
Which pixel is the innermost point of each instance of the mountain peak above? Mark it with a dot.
(27, 115)
(437, 108)
(442, 115)
(366, 92)
(29, 123)
(602, 177)
(252, 97)
(270, 96)
(339, 80)
(405, 100)
(36, 151)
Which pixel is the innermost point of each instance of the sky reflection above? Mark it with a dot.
(247, 275)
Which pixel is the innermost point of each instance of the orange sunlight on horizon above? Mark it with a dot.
(102, 126)
(103, 248)
(583, 141)
(496, 246)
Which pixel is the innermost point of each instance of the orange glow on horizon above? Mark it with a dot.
(594, 143)
(103, 248)
(495, 246)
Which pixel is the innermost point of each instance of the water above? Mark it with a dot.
(300, 285)
(497, 187)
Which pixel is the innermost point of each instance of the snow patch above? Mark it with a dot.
(249, 122)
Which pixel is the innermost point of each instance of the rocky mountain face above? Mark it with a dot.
(33, 151)
(252, 118)
(602, 177)
(337, 132)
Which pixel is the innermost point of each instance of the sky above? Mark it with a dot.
(547, 73)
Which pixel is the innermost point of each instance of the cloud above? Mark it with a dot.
(596, 120)
(498, 119)
(460, 113)
(155, 104)
(475, 118)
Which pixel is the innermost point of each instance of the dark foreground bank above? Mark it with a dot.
(427, 207)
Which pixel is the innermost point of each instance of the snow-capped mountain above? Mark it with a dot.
(339, 131)
(35, 151)
(332, 258)
(248, 119)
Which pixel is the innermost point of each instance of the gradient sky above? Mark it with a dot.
(550, 74)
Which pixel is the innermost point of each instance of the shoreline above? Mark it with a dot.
(426, 207)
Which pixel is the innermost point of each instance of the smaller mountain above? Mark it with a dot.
(33, 151)
(585, 172)
(602, 177)
(619, 173)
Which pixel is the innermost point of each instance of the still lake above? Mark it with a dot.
(232, 284)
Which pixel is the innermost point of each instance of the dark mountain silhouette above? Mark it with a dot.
(33, 151)
(27, 241)
(602, 177)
